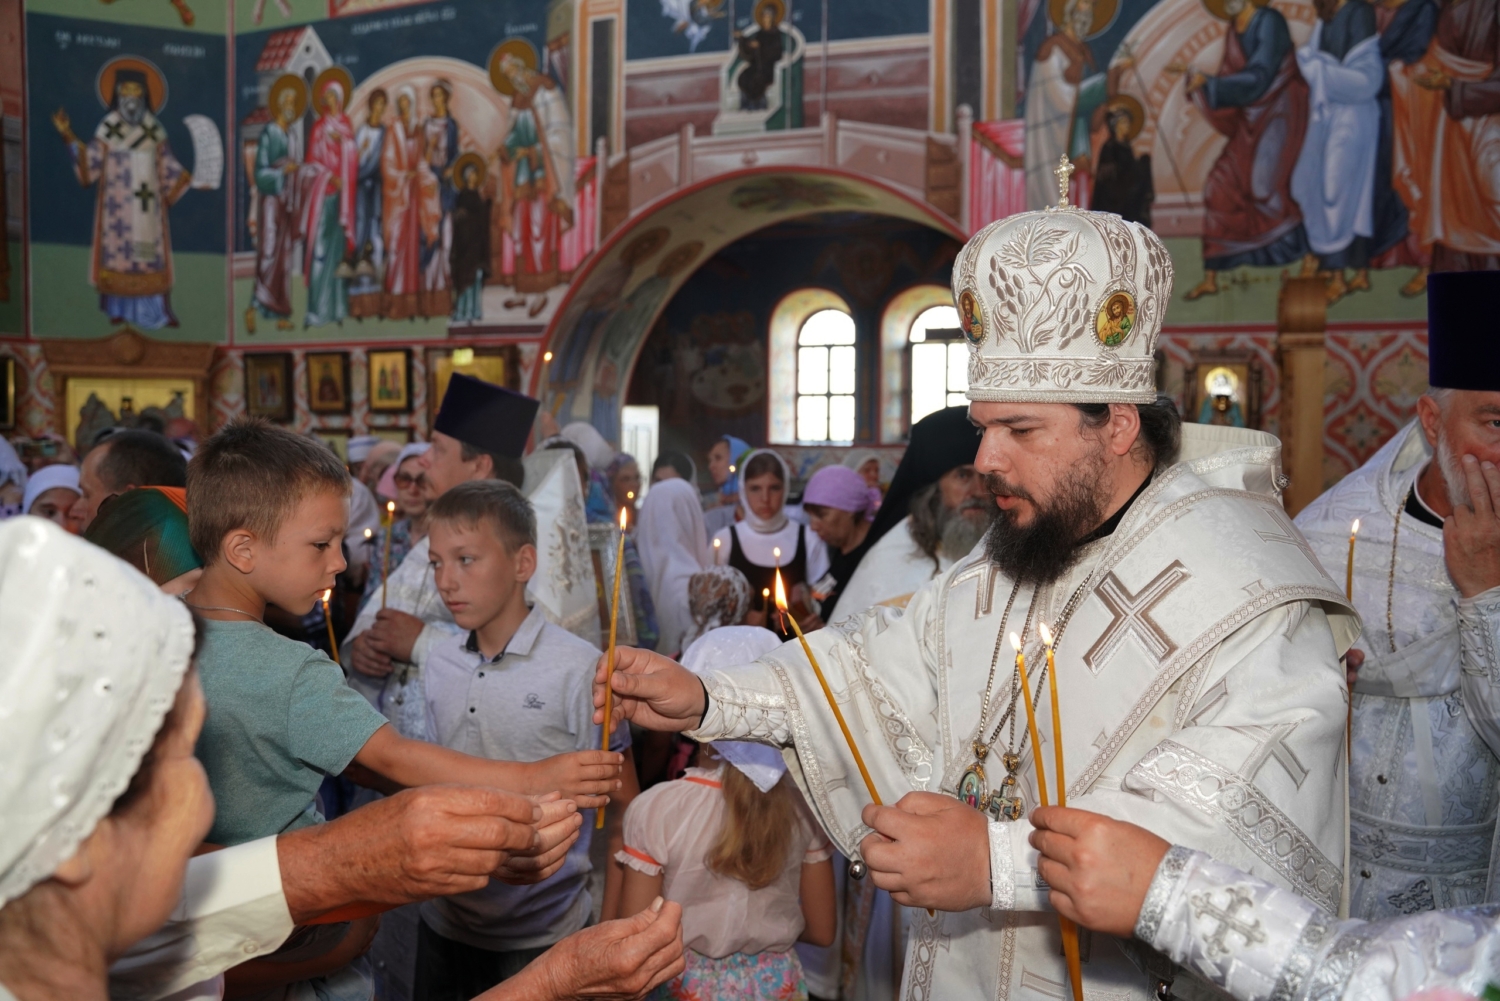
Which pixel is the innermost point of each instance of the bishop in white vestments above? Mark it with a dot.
(1197, 641)
(1426, 759)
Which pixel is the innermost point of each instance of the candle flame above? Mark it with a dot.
(547, 357)
(390, 507)
(624, 517)
(1015, 642)
(765, 592)
(776, 553)
(780, 593)
(718, 543)
(369, 532)
(1354, 528)
(630, 495)
(327, 594)
(1041, 627)
(731, 467)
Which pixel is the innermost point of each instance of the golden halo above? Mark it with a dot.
(523, 50)
(1221, 373)
(298, 86)
(645, 245)
(1114, 321)
(323, 79)
(156, 84)
(1216, 7)
(464, 161)
(780, 10)
(1130, 106)
(680, 257)
(1104, 13)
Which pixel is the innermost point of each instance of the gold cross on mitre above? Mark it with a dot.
(1064, 172)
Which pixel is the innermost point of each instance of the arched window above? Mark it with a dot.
(814, 366)
(939, 362)
(826, 377)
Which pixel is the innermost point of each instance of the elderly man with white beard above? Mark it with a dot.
(1426, 751)
(1197, 641)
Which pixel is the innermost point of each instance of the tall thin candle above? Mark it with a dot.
(1036, 745)
(859, 760)
(385, 557)
(1349, 570)
(614, 622)
(333, 644)
(1071, 954)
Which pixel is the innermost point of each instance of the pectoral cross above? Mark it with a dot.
(1064, 172)
(1250, 931)
(114, 130)
(145, 196)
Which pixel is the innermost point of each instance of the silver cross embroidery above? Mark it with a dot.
(1239, 899)
(1289, 536)
(1132, 616)
(1064, 171)
(1271, 743)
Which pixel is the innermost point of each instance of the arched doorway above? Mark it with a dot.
(612, 305)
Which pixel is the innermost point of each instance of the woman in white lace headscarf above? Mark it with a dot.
(717, 597)
(671, 539)
(102, 799)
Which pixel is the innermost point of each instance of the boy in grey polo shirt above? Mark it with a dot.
(519, 688)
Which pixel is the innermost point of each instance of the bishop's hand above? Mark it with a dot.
(1099, 869)
(929, 851)
(650, 691)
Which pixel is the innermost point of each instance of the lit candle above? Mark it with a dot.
(717, 543)
(1349, 572)
(333, 644)
(385, 557)
(609, 673)
(1069, 930)
(859, 760)
(1036, 745)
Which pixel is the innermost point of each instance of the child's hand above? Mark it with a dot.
(585, 777)
(557, 829)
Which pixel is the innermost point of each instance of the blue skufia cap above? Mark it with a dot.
(485, 416)
(1462, 351)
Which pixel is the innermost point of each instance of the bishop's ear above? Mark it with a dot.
(1124, 427)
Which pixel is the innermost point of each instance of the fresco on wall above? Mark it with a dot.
(1346, 138)
(12, 94)
(656, 28)
(127, 157)
(409, 194)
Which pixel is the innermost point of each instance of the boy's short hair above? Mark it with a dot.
(502, 505)
(252, 474)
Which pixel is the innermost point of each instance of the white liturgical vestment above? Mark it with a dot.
(1201, 697)
(1427, 703)
(893, 570)
(1259, 942)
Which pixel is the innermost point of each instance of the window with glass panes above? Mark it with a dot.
(939, 362)
(826, 377)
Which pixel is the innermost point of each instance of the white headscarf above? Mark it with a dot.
(12, 469)
(47, 478)
(673, 545)
(731, 646)
(596, 450)
(777, 521)
(95, 655)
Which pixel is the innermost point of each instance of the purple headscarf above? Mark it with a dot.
(843, 488)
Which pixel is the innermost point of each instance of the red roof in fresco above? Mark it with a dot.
(280, 48)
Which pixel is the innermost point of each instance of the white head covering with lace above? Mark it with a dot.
(94, 657)
(1062, 306)
(728, 647)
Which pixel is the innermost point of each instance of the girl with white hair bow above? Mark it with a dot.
(736, 846)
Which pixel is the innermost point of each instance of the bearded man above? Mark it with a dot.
(1426, 753)
(936, 511)
(1197, 642)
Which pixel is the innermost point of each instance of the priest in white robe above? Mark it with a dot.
(1426, 759)
(1197, 641)
(935, 512)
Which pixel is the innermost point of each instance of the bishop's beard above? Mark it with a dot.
(1041, 552)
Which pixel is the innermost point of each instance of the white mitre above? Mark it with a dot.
(1062, 306)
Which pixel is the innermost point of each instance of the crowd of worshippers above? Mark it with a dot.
(261, 741)
(286, 558)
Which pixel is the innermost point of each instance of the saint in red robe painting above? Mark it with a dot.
(1258, 100)
(327, 185)
(411, 209)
